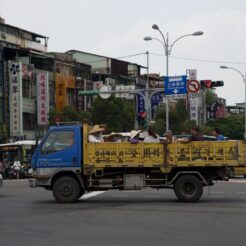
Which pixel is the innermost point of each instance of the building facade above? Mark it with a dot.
(33, 82)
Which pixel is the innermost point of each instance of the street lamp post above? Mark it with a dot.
(168, 49)
(244, 80)
(146, 95)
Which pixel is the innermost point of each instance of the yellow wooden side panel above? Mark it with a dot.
(124, 154)
(207, 153)
(197, 153)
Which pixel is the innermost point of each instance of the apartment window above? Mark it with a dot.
(25, 88)
(29, 121)
(28, 89)
(70, 96)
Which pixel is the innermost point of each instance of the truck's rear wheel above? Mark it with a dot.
(188, 188)
(66, 189)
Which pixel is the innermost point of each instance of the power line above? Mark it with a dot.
(131, 55)
(199, 60)
(173, 57)
(121, 57)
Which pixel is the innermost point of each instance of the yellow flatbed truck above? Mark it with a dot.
(71, 168)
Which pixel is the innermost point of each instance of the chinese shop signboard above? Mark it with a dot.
(42, 98)
(15, 98)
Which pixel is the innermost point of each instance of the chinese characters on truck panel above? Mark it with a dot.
(125, 155)
(189, 153)
(204, 153)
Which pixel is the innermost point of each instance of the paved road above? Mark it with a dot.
(149, 217)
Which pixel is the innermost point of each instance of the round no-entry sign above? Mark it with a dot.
(193, 86)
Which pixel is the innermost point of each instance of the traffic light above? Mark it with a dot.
(205, 83)
(143, 120)
(142, 115)
(211, 84)
(217, 83)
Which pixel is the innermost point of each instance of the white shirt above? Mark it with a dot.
(16, 165)
(95, 139)
(151, 139)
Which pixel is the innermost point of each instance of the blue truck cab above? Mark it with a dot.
(58, 157)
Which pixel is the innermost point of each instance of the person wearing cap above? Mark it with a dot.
(169, 136)
(95, 134)
(217, 133)
(152, 136)
(114, 137)
(195, 136)
(135, 136)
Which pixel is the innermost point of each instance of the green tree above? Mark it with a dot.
(231, 127)
(177, 118)
(117, 113)
(210, 97)
(68, 114)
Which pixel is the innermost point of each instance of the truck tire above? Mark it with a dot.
(188, 188)
(66, 189)
(81, 193)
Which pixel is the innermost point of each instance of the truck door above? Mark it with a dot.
(60, 150)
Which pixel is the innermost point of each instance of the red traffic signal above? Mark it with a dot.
(142, 114)
(206, 83)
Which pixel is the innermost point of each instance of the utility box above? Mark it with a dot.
(134, 181)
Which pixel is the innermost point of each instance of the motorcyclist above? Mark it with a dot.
(17, 167)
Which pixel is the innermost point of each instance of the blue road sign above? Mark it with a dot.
(155, 101)
(140, 105)
(175, 85)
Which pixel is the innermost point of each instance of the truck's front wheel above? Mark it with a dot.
(66, 189)
(188, 188)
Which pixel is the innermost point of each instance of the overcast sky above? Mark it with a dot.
(116, 28)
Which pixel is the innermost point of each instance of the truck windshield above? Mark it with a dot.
(57, 141)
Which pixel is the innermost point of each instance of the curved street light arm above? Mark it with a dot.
(244, 80)
(243, 76)
(159, 40)
(171, 46)
(165, 42)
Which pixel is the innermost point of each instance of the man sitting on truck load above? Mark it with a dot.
(217, 133)
(95, 134)
(169, 138)
(195, 135)
(152, 135)
(114, 137)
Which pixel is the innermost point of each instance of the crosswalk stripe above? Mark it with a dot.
(237, 181)
(91, 194)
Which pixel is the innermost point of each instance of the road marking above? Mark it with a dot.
(130, 191)
(91, 194)
(236, 181)
(151, 196)
(216, 196)
(241, 192)
(120, 196)
(217, 192)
